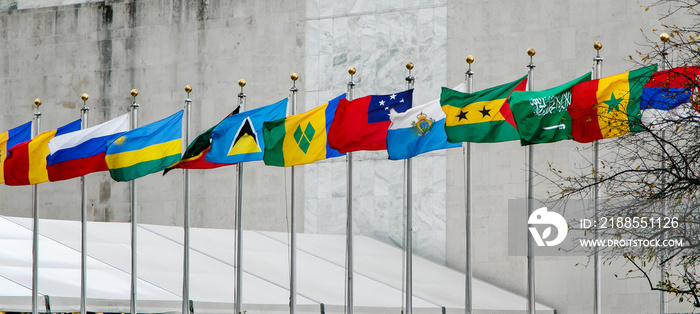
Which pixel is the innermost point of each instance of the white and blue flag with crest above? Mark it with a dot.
(418, 130)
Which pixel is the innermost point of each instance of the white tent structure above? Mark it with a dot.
(378, 277)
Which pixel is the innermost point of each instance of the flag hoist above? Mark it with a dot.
(597, 279)
(409, 213)
(663, 301)
(530, 201)
(468, 202)
(239, 215)
(186, 224)
(83, 217)
(35, 213)
(348, 229)
(134, 278)
(293, 228)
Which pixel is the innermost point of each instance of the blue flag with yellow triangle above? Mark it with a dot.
(239, 137)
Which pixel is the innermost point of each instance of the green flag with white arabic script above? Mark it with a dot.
(541, 116)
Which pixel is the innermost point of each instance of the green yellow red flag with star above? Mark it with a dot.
(608, 107)
(480, 117)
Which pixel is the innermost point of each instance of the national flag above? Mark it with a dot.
(302, 138)
(148, 149)
(10, 139)
(420, 129)
(81, 152)
(239, 137)
(480, 117)
(608, 107)
(194, 156)
(541, 116)
(668, 96)
(361, 124)
(26, 162)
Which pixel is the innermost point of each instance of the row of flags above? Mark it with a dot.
(584, 110)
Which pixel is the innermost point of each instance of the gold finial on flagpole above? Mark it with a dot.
(470, 59)
(188, 89)
(294, 78)
(531, 52)
(134, 93)
(352, 71)
(37, 102)
(664, 37)
(598, 45)
(84, 97)
(409, 65)
(241, 82)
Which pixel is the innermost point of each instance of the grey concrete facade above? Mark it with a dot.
(106, 48)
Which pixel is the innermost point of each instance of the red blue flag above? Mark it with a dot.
(362, 124)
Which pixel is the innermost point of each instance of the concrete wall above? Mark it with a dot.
(159, 46)
(156, 46)
(498, 33)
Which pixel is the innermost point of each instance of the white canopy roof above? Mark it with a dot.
(320, 272)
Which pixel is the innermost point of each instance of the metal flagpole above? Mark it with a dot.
(83, 217)
(468, 203)
(186, 224)
(239, 215)
(348, 229)
(134, 277)
(597, 278)
(409, 216)
(530, 202)
(663, 301)
(35, 232)
(293, 229)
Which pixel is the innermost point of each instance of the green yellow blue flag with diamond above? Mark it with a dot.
(300, 139)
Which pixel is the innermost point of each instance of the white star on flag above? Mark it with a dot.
(381, 103)
(401, 100)
(392, 97)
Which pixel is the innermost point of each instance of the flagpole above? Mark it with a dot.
(409, 216)
(83, 217)
(348, 229)
(186, 224)
(530, 202)
(597, 278)
(239, 214)
(663, 301)
(134, 278)
(35, 232)
(468, 203)
(293, 228)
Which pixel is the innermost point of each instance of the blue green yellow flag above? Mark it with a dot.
(148, 149)
(300, 139)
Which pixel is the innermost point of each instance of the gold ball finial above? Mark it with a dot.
(470, 59)
(134, 93)
(352, 71)
(664, 37)
(37, 102)
(409, 65)
(188, 89)
(295, 76)
(530, 52)
(598, 45)
(241, 82)
(84, 97)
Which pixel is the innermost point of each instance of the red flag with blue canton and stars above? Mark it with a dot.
(362, 124)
